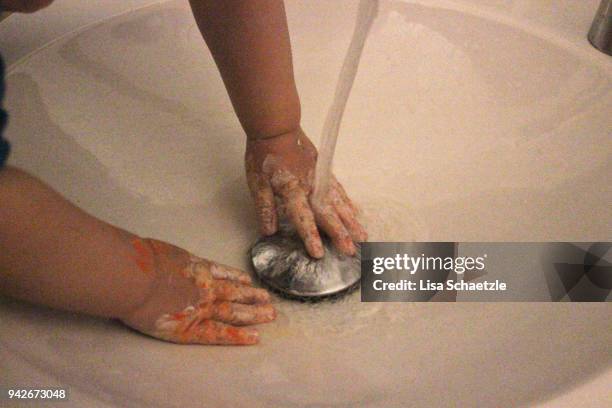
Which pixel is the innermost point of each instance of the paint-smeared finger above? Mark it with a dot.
(204, 271)
(333, 226)
(220, 271)
(301, 216)
(347, 215)
(266, 208)
(212, 332)
(235, 292)
(342, 193)
(240, 315)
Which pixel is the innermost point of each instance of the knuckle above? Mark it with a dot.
(224, 310)
(291, 188)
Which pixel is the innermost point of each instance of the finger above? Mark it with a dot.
(347, 215)
(212, 332)
(342, 193)
(329, 222)
(220, 271)
(240, 315)
(235, 292)
(301, 216)
(266, 208)
(203, 269)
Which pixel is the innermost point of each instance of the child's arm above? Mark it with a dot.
(24, 6)
(249, 40)
(54, 254)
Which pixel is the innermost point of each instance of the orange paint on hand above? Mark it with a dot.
(234, 334)
(179, 316)
(143, 256)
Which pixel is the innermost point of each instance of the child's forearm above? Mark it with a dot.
(249, 40)
(54, 254)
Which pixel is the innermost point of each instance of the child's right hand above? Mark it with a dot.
(193, 300)
(280, 173)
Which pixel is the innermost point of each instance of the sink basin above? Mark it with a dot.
(469, 122)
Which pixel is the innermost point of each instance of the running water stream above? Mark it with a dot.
(366, 14)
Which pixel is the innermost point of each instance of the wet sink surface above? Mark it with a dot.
(483, 130)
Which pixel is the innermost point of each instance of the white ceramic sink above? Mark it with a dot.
(469, 120)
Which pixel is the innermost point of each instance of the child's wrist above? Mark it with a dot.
(274, 125)
(280, 133)
(139, 261)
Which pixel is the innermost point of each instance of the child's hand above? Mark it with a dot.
(193, 300)
(284, 167)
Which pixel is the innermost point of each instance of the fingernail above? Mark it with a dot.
(317, 251)
(251, 336)
(319, 247)
(269, 313)
(262, 295)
